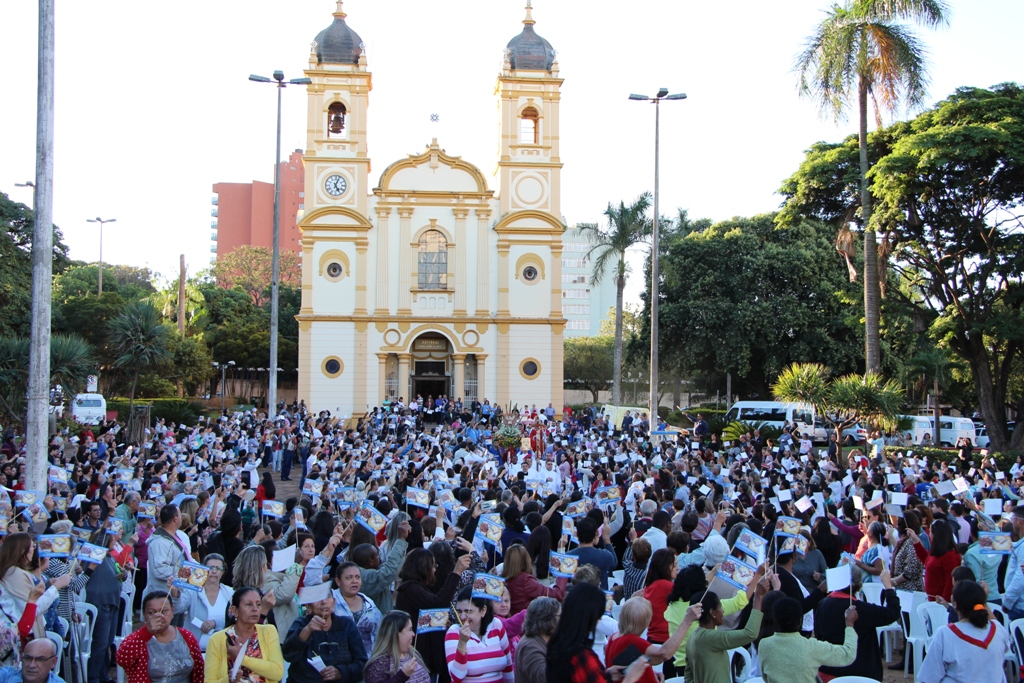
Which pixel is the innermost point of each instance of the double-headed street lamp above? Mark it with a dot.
(280, 83)
(101, 221)
(223, 391)
(662, 95)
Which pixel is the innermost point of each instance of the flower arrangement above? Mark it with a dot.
(508, 437)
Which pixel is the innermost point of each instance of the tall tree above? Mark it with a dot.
(250, 268)
(628, 226)
(862, 48)
(139, 340)
(949, 194)
(588, 363)
(16, 225)
(746, 274)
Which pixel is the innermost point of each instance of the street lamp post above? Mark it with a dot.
(280, 83)
(662, 95)
(223, 391)
(101, 221)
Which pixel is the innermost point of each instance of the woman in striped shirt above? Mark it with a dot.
(478, 651)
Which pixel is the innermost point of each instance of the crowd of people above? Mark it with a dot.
(427, 547)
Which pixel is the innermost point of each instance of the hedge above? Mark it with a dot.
(179, 410)
(1004, 460)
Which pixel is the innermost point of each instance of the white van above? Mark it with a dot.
(952, 429)
(89, 409)
(775, 414)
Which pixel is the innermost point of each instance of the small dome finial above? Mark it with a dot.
(529, 13)
(339, 12)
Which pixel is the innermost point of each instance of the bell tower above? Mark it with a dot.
(337, 164)
(529, 91)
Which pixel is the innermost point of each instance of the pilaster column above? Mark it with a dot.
(382, 376)
(405, 267)
(481, 373)
(483, 264)
(460, 260)
(403, 376)
(503, 247)
(361, 275)
(458, 375)
(556, 280)
(383, 231)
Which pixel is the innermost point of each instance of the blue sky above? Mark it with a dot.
(154, 105)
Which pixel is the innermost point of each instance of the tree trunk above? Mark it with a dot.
(872, 306)
(620, 285)
(937, 412)
(677, 395)
(991, 406)
(131, 394)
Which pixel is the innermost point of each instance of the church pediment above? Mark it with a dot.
(431, 172)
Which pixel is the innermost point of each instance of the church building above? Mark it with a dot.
(426, 280)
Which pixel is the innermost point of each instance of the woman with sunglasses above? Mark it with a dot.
(205, 610)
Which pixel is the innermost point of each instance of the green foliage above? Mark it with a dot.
(177, 410)
(190, 362)
(588, 363)
(139, 340)
(732, 431)
(71, 361)
(16, 226)
(1005, 460)
(842, 401)
(82, 279)
(88, 316)
(746, 297)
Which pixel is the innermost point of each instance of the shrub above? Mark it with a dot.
(179, 410)
(1004, 460)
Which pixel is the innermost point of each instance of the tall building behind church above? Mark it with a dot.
(426, 281)
(243, 213)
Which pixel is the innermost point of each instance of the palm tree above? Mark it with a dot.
(139, 340)
(71, 361)
(861, 48)
(936, 365)
(627, 227)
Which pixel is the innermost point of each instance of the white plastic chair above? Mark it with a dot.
(59, 642)
(873, 593)
(853, 679)
(997, 612)
(682, 679)
(619, 577)
(744, 673)
(84, 629)
(917, 641)
(935, 617)
(1016, 630)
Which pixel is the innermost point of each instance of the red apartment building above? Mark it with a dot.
(243, 213)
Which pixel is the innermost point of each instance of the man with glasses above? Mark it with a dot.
(38, 660)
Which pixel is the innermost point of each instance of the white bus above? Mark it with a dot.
(90, 409)
(952, 429)
(775, 414)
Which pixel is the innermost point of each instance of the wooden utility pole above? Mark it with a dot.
(181, 298)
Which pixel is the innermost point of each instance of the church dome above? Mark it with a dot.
(338, 44)
(528, 50)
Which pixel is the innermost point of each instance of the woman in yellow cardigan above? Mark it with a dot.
(258, 643)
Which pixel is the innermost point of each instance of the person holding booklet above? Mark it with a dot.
(323, 647)
(205, 610)
(247, 651)
(477, 649)
(522, 585)
(159, 651)
(394, 658)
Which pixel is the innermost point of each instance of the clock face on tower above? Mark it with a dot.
(336, 185)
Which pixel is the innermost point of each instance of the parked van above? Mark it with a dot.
(776, 414)
(89, 409)
(952, 429)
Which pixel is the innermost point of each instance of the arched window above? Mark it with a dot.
(529, 127)
(336, 121)
(433, 261)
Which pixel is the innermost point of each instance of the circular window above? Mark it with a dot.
(334, 271)
(332, 366)
(530, 273)
(530, 368)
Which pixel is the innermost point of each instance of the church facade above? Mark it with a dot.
(429, 282)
